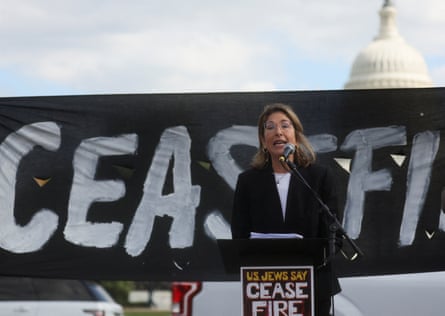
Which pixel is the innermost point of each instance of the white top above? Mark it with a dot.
(282, 180)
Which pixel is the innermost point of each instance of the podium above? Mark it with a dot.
(278, 276)
(271, 252)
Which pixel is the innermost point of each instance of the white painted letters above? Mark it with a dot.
(423, 152)
(31, 237)
(85, 191)
(362, 178)
(180, 205)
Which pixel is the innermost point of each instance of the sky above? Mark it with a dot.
(72, 47)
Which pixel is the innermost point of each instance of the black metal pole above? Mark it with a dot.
(335, 227)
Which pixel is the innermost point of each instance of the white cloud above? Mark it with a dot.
(146, 45)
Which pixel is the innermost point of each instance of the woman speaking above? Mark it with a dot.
(270, 199)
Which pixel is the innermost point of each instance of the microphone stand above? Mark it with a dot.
(334, 227)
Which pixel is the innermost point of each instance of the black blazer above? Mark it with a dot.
(257, 208)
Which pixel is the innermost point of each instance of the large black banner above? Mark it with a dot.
(141, 186)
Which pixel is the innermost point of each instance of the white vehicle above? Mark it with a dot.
(389, 295)
(51, 297)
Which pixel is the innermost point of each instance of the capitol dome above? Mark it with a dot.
(388, 61)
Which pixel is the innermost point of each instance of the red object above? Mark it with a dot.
(182, 296)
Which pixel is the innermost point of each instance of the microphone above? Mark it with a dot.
(289, 149)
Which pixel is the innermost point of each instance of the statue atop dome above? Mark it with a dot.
(387, 3)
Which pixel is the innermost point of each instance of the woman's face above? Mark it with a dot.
(278, 131)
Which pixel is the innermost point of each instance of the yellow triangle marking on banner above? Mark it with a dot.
(126, 172)
(41, 182)
(205, 165)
